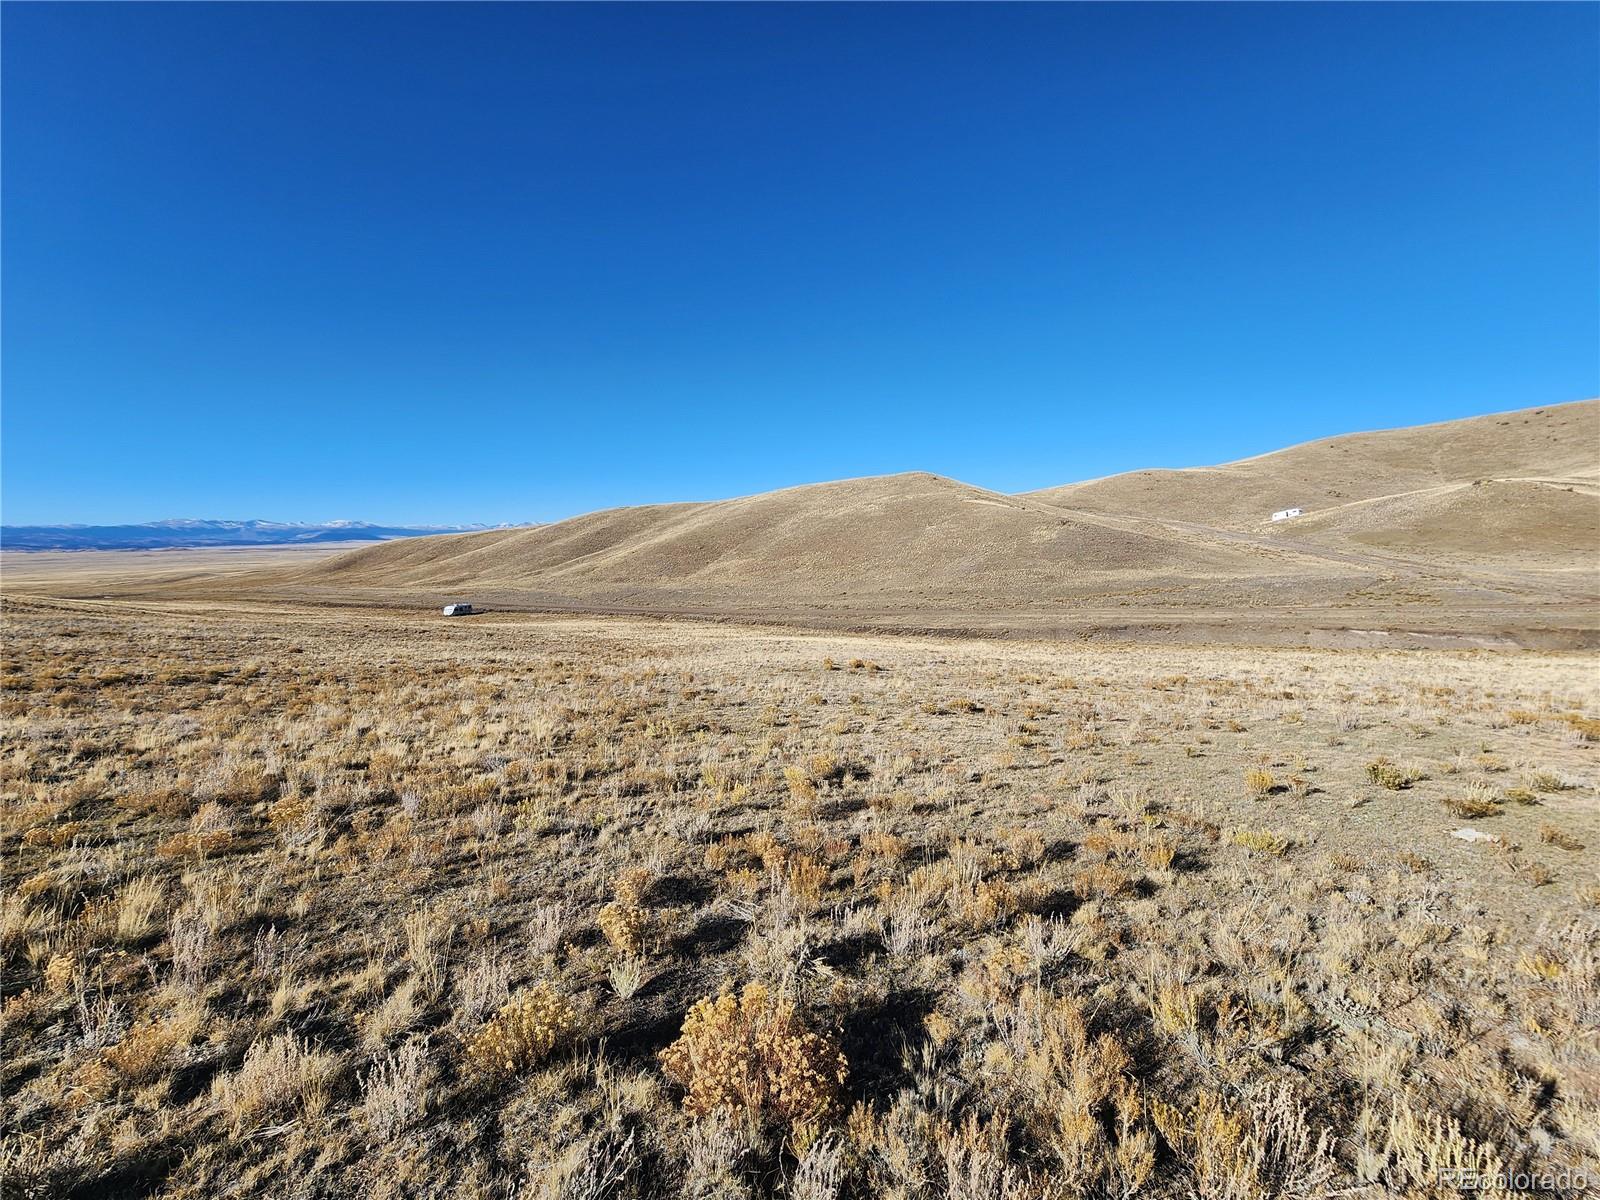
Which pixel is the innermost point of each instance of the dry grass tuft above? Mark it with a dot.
(1259, 783)
(1263, 841)
(1390, 775)
(280, 1077)
(1476, 801)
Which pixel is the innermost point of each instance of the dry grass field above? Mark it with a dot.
(334, 902)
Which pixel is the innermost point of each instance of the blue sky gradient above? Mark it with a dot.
(456, 263)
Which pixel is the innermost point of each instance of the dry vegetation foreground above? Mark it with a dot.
(330, 903)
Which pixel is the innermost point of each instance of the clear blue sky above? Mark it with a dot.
(498, 262)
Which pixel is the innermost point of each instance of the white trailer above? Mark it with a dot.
(1285, 513)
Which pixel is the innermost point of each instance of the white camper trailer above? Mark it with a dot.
(1285, 513)
(458, 610)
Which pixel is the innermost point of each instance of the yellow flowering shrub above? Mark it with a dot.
(625, 927)
(527, 1028)
(751, 1052)
(632, 887)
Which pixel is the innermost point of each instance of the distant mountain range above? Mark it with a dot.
(160, 535)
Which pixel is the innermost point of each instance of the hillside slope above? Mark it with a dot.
(1558, 444)
(888, 535)
(1513, 522)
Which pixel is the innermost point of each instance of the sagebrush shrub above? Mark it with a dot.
(750, 1052)
(395, 1091)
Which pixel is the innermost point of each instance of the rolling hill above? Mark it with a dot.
(1489, 525)
(894, 535)
(1557, 443)
(1512, 522)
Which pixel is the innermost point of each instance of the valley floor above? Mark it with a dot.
(318, 902)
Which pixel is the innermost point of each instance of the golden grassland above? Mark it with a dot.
(322, 903)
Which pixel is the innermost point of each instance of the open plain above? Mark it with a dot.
(317, 901)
